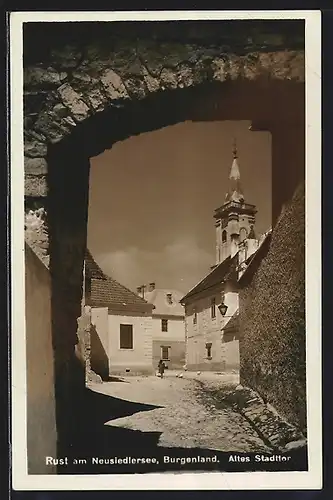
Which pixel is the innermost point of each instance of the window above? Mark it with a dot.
(195, 318)
(126, 336)
(213, 308)
(224, 236)
(209, 350)
(165, 353)
(164, 325)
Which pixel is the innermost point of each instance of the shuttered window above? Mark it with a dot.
(126, 336)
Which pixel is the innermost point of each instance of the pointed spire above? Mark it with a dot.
(234, 172)
(235, 192)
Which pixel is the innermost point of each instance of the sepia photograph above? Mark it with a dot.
(165, 194)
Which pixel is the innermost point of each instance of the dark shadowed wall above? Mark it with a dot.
(99, 358)
(272, 314)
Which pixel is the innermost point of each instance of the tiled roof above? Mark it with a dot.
(158, 298)
(224, 271)
(92, 269)
(109, 293)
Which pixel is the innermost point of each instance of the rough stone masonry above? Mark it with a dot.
(77, 75)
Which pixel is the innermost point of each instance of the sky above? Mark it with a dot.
(152, 198)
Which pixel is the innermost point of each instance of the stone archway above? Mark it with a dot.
(101, 86)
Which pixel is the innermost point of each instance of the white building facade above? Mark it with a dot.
(168, 325)
(121, 326)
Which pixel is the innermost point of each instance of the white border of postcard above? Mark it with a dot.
(312, 479)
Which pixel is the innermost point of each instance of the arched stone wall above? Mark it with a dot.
(67, 85)
(95, 83)
(67, 97)
(103, 102)
(88, 86)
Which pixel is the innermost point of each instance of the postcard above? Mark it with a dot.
(166, 232)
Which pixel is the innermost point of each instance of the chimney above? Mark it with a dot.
(169, 298)
(151, 287)
(139, 290)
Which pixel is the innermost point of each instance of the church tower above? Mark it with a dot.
(235, 219)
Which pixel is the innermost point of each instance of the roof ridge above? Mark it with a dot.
(90, 260)
(206, 276)
(229, 260)
(164, 290)
(89, 257)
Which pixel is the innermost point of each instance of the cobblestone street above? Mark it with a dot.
(183, 412)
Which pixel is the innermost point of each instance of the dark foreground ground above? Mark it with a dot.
(145, 424)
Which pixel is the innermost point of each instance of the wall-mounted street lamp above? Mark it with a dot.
(223, 308)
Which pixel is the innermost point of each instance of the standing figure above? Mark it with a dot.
(161, 368)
